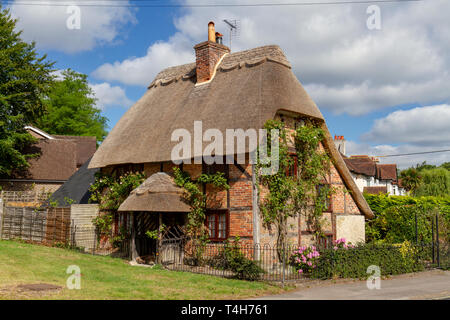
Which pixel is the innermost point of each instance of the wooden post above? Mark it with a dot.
(158, 249)
(133, 237)
(1, 216)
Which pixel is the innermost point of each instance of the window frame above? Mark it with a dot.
(327, 241)
(217, 213)
(295, 164)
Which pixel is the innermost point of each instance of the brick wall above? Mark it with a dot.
(207, 54)
(239, 201)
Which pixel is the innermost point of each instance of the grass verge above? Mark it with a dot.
(109, 278)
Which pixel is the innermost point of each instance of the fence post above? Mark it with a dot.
(1, 217)
(432, 240)
(437, 240)
(284, 263)
(95, 241)
(415, 217)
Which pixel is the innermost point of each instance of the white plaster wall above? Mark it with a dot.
(360, 181)
(350, 227)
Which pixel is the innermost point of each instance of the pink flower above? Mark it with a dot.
(309, 263)
(335, 248)
(300, 271)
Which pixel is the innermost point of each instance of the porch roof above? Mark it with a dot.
(158, 193)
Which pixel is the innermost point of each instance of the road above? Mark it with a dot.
(434, 284)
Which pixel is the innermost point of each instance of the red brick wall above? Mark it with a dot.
(207, 54)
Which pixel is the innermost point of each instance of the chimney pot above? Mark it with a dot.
(211, 32)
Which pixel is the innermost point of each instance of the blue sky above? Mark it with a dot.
(386, 90)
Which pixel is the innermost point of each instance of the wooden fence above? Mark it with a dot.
(35, 224)
(69, 226)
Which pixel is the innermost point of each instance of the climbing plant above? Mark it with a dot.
(291, 195)
(197, 200)
(109, 192)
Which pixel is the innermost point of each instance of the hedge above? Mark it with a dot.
(353, 262)
(394, 220)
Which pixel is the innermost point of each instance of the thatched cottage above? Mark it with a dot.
(225, 90)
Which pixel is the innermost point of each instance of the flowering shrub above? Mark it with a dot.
(304, 259)
(341, 244)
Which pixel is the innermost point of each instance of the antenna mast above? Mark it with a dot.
(234, 28)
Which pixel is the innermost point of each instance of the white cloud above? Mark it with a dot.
(343, 65)
(47, 25)
(422, 126)
(109, 96)
(141, 70)
(419, 129)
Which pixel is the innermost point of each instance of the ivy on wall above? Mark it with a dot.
(109, 192)
(197, 200)
(291, 195)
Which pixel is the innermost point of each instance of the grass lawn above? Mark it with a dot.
(108, 278)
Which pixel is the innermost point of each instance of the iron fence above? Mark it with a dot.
(268, 263)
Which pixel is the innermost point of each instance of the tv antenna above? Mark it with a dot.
(234, 28)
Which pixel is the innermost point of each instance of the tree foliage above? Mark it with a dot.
(24, 78)
(410, 179)
(434, 182)
(70, 108)
(394, 220)
(427, 180)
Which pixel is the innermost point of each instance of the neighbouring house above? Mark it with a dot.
(371, 176)
(224, 90)
(59, 157)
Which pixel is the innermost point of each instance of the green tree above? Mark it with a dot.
(71, 108)
(434, 182)
(445, 165)
(424, 166)
(24, 78)
(411, 179)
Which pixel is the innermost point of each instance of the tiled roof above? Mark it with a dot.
(375, 190)
(368, 167)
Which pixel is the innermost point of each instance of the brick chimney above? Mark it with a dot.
(339, 142)
(208, 54)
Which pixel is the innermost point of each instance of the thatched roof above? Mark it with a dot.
(247, 90)
(158, 193)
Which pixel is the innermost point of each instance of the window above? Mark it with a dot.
(326, 241)
(291, 171)
(299, 123)
(325, 188)
(217, 224)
